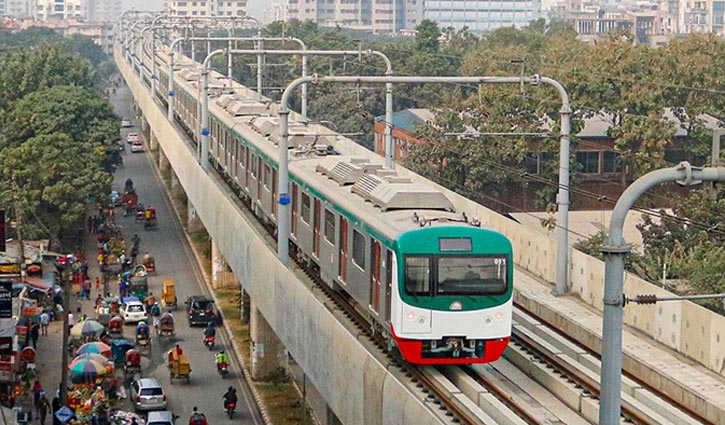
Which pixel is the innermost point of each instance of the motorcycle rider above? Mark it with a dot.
(209, 331)
(221, 357)
(230, 397)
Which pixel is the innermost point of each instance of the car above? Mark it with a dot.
(148, 394)
(116, 198)
(126, 123)
(137, 146)
(163, 417)
(132, 137)
(133, 311)
(201, 310)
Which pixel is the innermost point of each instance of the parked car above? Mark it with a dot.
(133, 311)
(163, 417)
(132, 137)
(148, 394)
(116, 198)
(126, 123)
(201, 310)
(137, 146)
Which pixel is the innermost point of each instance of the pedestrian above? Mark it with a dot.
(96, 223)
(37, 389)
(44, 321)
(42, 405)
(122, 286)
(89, 224)
(136, 241)
(87, 288)
(150, 300)
(35, 334)
(56, 406)
(98, 284)
(71, 321)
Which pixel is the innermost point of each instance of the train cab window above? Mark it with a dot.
(358, 249)
(267, 176)
(417, 275)
(329, 226)
(305, 210)
(471, 275)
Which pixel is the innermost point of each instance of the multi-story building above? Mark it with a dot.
(106, 10)
(380, 16)
(207, 8)
(482, 15)
(100, 32)
(21, 8)
(63, 9)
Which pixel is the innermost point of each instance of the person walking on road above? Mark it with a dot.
(35, 334)
(42, 406)
(98, 284)
(56, 406)
(44, 321)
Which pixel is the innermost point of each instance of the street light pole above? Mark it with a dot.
(66, 323)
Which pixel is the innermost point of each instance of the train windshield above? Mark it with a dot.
(455, 275)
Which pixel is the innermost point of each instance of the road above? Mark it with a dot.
(174, 259)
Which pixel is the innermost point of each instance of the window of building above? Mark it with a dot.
(193, 3)
(330, 226)
(611, 162)
(203, 13)
(193, 12)
(305, 212)
(358, 249)
(589, 162)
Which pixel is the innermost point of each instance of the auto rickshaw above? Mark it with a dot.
(130, 202)
(179, 366)
(150, 264)
(166, 326)
(119, 347)
(115, 327)
(138, 287)
(168, 295)
(150, 218)
(132, 365)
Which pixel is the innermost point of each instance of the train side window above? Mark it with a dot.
(417, 275)
(267, 176)
(329, 226)
(305, 212)
(253, 168)
(294, 208)
(358, 249)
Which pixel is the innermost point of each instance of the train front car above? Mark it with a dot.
(452, 302)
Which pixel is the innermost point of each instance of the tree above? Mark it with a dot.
(427, 37)
(55, 177)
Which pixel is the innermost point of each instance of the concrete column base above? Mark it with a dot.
(269, 359)
(164, 164)
(244, 308)
(153, 142)
(221, 275)
(193, 224)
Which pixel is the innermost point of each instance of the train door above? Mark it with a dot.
(342, 267)
(260, 177)
(388, 281)
(316, 236)
(273, 189)
(375, 276)
(294, 208)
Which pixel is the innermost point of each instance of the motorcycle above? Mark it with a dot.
(231, 406)
(209, 342)
(222, 367)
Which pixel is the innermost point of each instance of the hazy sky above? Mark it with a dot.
(254, 7)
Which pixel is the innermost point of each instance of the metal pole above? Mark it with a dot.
(562, 199)
(260, 63)
(389, 148)
(614, 252)
(204, 145)
(715, 157)
(170, 97)
(283, 218)
(66, 331)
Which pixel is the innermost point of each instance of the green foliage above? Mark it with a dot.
(633, 262)
(705, 271)
(428, 35)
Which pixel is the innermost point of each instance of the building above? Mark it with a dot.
(20, 8)
(482, 15)
(600, 170)
(64, 9)
(207, 8)
(100, 32)
(106, 10)
(379, 16)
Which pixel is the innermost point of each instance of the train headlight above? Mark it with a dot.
(488, 320)
(499, 316)
(411, 316)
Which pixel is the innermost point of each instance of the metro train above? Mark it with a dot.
(433, 282)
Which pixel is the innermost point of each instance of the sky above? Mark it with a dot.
(255, 8)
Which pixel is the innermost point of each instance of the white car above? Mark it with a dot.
(137, 146)
(132, 137)
(133, 311)
(126, 123)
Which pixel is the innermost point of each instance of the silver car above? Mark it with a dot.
(160, 418)
(147, 394)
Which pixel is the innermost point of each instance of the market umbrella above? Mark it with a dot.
(86, 328)
(95, 348)
(91, 356)
(87, 367)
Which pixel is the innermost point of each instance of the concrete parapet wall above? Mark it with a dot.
(355, 385)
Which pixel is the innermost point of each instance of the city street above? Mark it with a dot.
(174, 260)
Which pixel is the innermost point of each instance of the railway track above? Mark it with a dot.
(569, 372)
